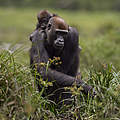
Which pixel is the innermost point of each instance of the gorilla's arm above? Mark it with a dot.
(59, 78)
(62, 79)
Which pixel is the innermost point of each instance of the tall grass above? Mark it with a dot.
(20, 100)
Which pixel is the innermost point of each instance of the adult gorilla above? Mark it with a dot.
(60, 41)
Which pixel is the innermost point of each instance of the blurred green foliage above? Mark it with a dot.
(65, 4)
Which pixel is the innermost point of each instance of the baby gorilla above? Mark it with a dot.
(43, 19)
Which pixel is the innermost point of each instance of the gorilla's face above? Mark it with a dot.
(56, 31)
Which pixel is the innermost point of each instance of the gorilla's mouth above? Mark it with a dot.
(59, 45)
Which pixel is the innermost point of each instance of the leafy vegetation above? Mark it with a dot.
(100, 64)
(19, 98)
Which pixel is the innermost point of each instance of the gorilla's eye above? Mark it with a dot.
(61, 32)
(49, 26)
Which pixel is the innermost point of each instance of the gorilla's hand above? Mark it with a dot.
(87, 89)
